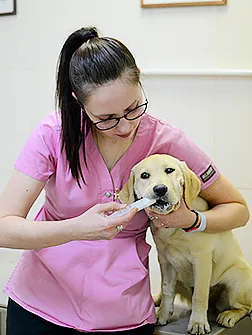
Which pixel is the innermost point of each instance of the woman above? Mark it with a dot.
(83, 271)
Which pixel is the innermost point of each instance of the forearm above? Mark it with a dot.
(225, 217)
(20, 233)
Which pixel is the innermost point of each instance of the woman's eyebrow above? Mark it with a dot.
(132, 104)
(103, 115)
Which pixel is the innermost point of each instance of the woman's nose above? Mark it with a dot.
(124, 126)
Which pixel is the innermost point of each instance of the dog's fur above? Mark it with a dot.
(201, 267)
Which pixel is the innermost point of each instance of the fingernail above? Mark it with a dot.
(123, 205)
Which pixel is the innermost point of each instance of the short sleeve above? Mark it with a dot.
(38, 157)
(200, 163)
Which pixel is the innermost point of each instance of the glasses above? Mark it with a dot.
(130, 116)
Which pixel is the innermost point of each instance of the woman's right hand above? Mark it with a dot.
(95, 224)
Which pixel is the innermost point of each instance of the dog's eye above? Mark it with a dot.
(145, 175)
(169, 170)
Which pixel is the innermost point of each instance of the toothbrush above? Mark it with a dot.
(139, 204)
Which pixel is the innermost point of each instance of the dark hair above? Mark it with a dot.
(87, 62)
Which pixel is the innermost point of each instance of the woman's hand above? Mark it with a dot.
(95, 223)
(183, 217)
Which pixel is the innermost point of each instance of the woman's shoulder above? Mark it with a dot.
(39, 156)
(161, 127)
(46, 135)
(48, 129)
(51, 121)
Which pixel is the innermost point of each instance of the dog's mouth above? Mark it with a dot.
(163, 206)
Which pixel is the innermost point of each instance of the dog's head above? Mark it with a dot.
(164, 178)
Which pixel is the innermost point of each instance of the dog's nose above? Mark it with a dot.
(160, 190)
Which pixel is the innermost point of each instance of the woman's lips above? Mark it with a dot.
(124, 135)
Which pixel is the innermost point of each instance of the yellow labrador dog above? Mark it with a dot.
(203, 268)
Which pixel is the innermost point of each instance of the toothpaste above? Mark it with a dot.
(139, 204)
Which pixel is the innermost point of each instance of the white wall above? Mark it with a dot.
(214, 111)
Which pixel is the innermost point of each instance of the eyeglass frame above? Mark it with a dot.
(122, 117)
(118, 118)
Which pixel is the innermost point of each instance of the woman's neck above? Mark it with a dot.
(110, 149)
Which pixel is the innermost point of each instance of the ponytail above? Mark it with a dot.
(74, 125)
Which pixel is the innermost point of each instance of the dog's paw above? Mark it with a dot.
(157, 300)
(228, 318)
(163, 317)
(199, 328)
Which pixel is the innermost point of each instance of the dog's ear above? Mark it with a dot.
(126, 195)
(191, 184)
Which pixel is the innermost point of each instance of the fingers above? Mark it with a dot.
(149, 212)
(114, 225)
(156, 222)
(109, 206)
(121, 220)
(156, 219)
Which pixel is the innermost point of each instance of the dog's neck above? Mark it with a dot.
(165, 232)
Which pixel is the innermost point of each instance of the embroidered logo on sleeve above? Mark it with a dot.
(206, 175)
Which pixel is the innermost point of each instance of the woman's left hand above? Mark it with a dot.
(183, 217)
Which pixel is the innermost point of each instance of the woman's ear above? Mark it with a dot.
(77, 101)
(126, 195)
(191, 184)
(74, 95)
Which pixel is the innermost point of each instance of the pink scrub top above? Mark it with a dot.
(93, 285)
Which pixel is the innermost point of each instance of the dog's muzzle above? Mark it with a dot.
(160, 190)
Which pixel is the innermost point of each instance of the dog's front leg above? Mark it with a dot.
(168, 285)
(202, 272)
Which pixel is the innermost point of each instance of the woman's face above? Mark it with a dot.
(114, 100)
